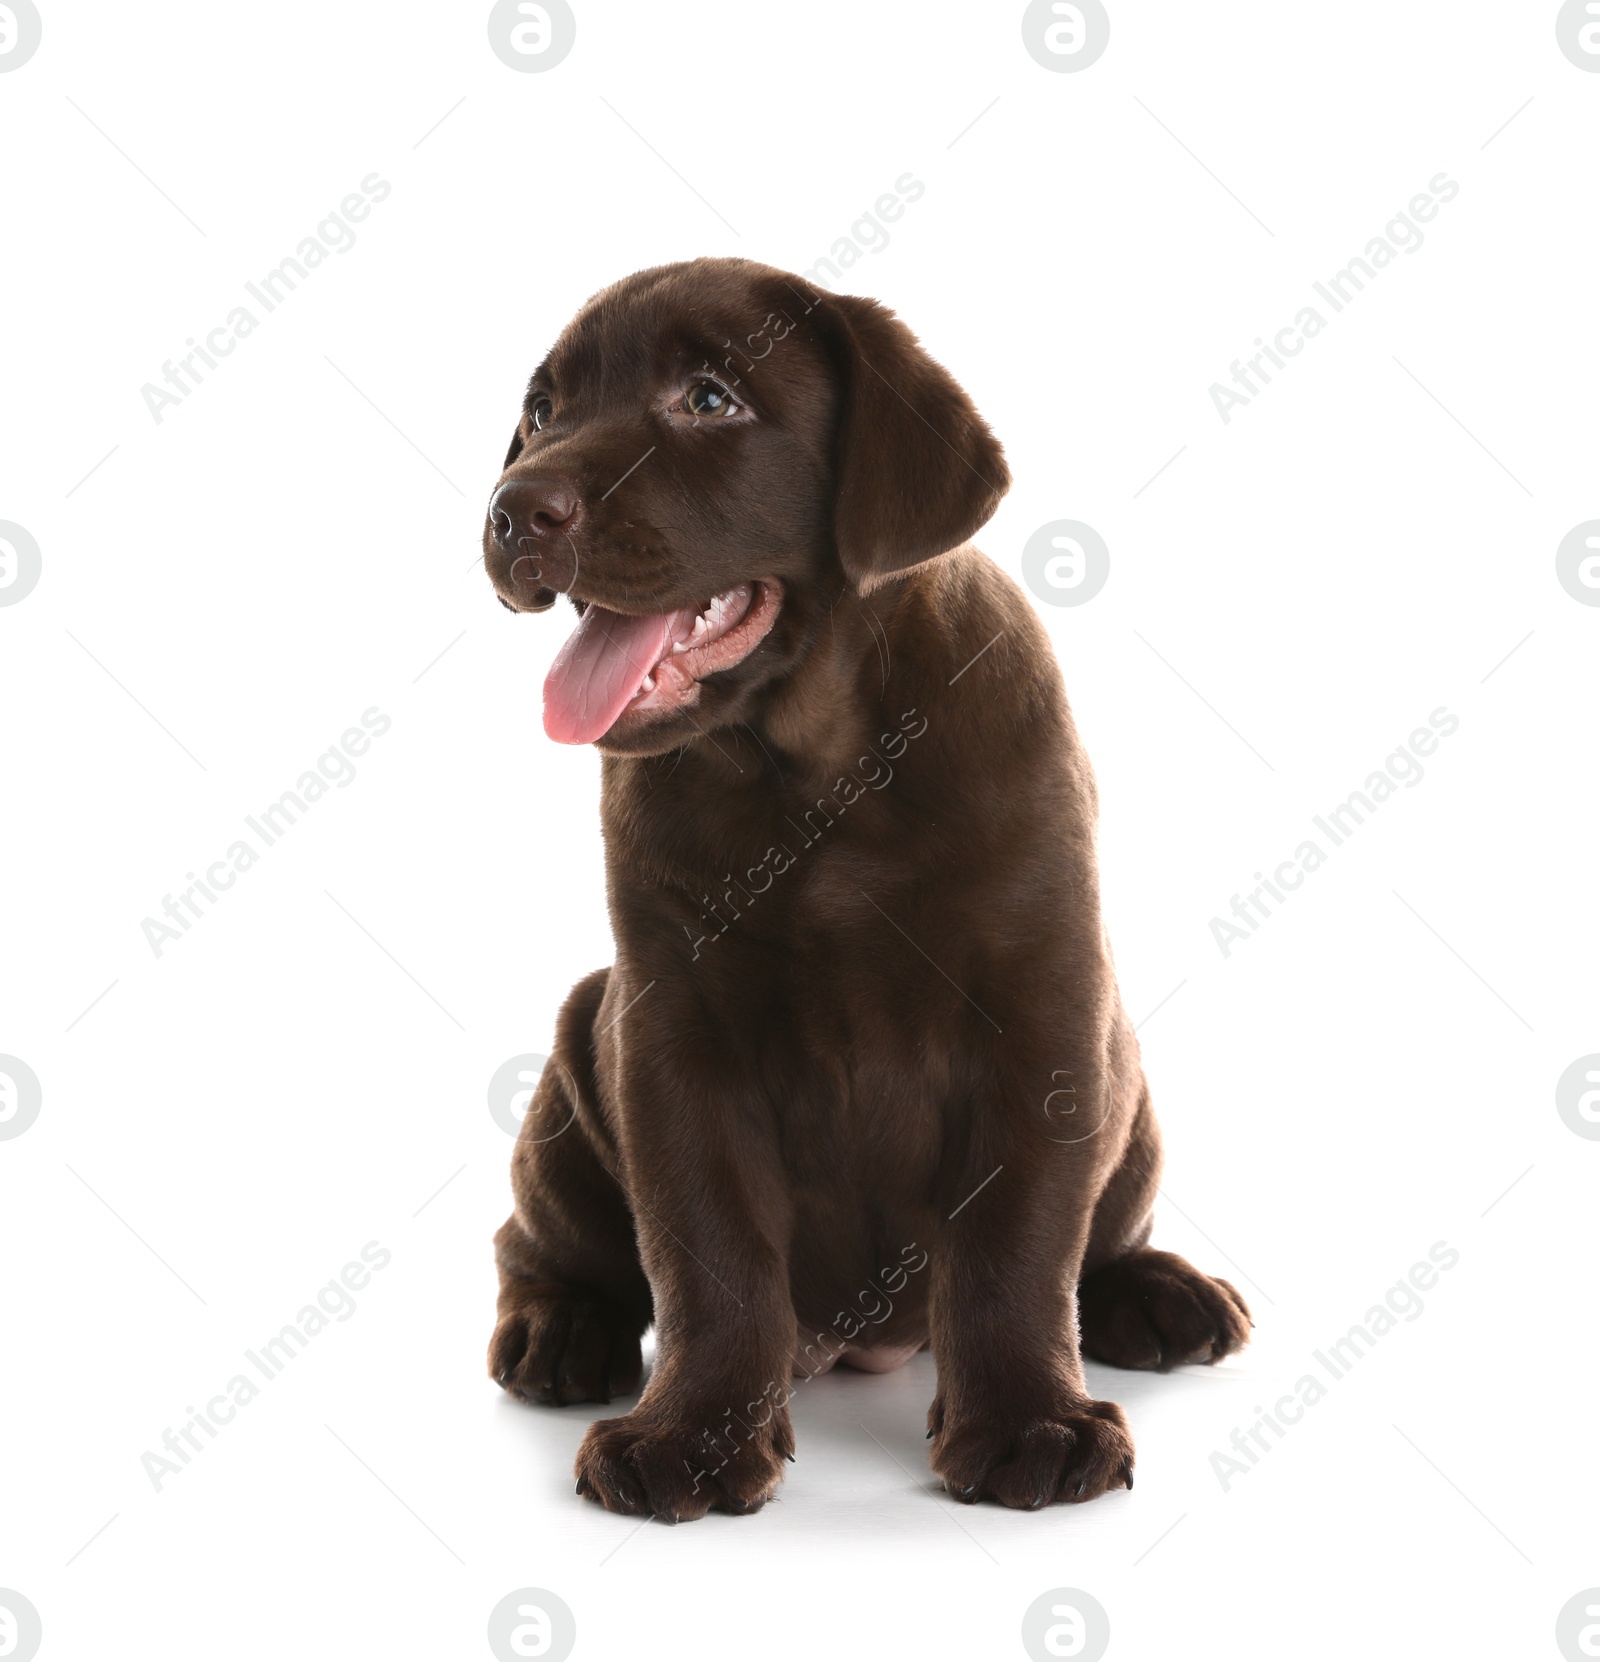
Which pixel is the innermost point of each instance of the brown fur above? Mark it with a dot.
(895, 1061)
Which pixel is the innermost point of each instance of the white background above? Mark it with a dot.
(230, 589)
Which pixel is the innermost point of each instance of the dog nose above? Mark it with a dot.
(534, 508)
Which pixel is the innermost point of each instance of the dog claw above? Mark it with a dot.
(1127, 1475)
(1077, 1494)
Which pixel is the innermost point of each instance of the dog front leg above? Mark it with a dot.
(704, 1179)
(1013, 1420)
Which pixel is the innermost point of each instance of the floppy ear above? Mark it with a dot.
(917, 469)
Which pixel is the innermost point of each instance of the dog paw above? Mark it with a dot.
(558, 1350)
(1072, 1454)
(1156, 1310)
(679, 1471)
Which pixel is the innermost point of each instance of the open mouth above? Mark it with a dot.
(613, 665)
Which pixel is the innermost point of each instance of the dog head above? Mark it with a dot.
(709, 456)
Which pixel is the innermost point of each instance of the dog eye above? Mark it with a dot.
(706, 398)
(542, 413)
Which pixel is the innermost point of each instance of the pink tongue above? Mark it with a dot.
(598, 671)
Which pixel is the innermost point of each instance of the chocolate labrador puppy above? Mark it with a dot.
(860, 1080)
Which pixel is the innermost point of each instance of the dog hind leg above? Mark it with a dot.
(1139, 1307)
(574, 1301)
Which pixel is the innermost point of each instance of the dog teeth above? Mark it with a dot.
(709, 621)
(649, 683)
(696, 635)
